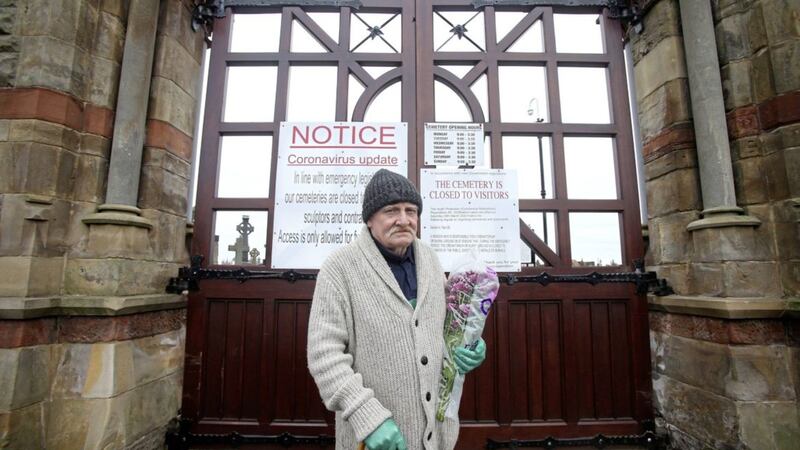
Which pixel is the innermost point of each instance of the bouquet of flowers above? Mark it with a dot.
(470, 292)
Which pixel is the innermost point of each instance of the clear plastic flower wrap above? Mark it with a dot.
(470, 292)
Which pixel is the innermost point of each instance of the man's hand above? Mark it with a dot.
(386, 437)
(467, 359)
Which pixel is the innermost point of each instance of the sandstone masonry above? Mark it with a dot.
(725, 348)
(90, 344)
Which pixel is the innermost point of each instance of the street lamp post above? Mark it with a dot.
(533, 110)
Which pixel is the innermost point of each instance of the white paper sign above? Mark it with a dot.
(453, 144)
(471, 209)
(320, 178)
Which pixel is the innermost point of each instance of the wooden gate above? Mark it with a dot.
(567, 351)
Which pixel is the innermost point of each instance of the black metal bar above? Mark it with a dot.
(189, 276)
(182, 439)
(543, 190)
(647, 440)
(645, 281)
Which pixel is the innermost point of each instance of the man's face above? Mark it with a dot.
(395, 226)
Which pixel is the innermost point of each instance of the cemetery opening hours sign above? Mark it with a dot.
(471, 209)
(453, 144)
(321, 173)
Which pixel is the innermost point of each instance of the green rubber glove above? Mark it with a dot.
(386, 437)
(467, 359)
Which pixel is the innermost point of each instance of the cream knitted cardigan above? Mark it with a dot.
(371, 354)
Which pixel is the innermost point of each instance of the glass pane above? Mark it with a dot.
(591, 170)
(505, 21)
(481, 90)
(528, 256)
(386, 107)
(448, 105)
(520, 88)
(244, 166)
(354, 91)
(250, 94)
(543, 225)
(303, 41)
(376, 33)
(595, 239)
(458, 71)
(487, 152)
(328, 21)
(377, 71)
(311, 93)
(240, 237)
(532, 40)
(584, 95)
(255, 32)
(458, 31)
(522, 153)
(578, 33)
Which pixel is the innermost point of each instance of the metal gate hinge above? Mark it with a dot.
(204, 13)
(629, 15)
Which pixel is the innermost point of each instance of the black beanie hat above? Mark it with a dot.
(388, 188)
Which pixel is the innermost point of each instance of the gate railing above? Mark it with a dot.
(180, 438)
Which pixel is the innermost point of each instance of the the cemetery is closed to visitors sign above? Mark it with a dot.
(321, 174)
(472, 210)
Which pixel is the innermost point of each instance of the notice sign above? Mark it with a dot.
(321, 174)
(453, 144)
(472, 209)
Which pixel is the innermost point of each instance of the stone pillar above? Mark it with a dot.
(127, 146)
(710, 128)
(91, 347)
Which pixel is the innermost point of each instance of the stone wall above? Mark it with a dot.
(759, 47)
(726, 383)
(89, 382)
(90, 342)
(726, 356)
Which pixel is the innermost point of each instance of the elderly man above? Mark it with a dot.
(375, 343)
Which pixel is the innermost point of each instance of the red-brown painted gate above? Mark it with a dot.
(565, 359)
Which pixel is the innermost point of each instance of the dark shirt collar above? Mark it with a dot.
(393, 258)
(403, 268)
